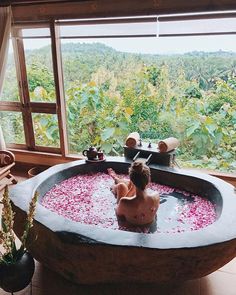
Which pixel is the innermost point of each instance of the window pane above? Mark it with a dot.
(199, 26)
(12, 126)
(40, 32)
(46, 130)
(183, 87)
(39, 68)
(10, 86)
(120, 29)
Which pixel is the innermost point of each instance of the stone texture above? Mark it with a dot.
(89, 255)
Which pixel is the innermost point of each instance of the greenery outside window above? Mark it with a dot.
(85, 84)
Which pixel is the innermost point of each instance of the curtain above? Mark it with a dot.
(5, 30)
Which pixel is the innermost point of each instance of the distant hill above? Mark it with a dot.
(81, 60)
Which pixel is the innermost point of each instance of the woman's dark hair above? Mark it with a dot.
(139, 174)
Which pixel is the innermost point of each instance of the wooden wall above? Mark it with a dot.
(48, 10)
(26, 10)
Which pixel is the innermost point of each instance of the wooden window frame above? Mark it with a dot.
(28, 107)
(46, 155)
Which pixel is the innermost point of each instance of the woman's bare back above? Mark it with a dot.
(134, 204)
(138, 211)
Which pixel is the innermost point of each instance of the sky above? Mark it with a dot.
(148, 45)
(171, 45)
(155, 45)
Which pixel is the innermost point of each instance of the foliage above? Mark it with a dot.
(94, 118)
(39, 75)
(110, 94)
(46, 130)
(7, 238)
(12, 126)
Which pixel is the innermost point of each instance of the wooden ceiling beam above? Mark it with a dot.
(115, 8)
(20, 2)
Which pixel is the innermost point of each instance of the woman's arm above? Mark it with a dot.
(116, 178)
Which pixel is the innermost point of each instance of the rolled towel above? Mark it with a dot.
(168, 144)
(133, 139)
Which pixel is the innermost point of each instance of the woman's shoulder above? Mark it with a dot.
(154, 198)
(153, 195)
(128, 200)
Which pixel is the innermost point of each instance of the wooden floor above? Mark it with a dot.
(46, 282)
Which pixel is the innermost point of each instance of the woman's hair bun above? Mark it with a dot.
(139, 174)
(138, 166)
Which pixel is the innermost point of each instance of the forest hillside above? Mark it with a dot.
(110, 93)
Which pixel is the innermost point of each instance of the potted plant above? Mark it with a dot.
(16, 264)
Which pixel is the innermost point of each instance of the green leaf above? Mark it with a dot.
(192, 128)
(107, 133)
(122, 125)
(43, 121)
(107, 147)
(226, 155)
(218, 138)
(49, 135)
(211, 128)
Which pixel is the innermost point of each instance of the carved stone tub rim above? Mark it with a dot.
(224, 229)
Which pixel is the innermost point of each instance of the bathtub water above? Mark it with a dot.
(88, 199)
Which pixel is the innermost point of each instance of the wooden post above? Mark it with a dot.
(23, 87)
(59, 87)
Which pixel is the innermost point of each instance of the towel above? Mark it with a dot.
(168, 144)
(132, 140)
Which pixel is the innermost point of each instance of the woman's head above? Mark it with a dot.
(139, 174)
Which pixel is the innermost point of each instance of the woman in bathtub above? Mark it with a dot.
(134, 204)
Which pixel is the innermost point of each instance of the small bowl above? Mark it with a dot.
(35, 171)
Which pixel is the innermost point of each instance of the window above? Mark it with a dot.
(201, 24)
(12, 126)
(46, 130)
(90, 79)
(94, 81)
(39, 67)
(10, 86)
(36, 96)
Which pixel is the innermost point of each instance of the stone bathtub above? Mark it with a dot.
(88, 254)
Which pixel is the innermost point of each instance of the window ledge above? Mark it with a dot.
(42, 158)
(49, 159)
(228, 177)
